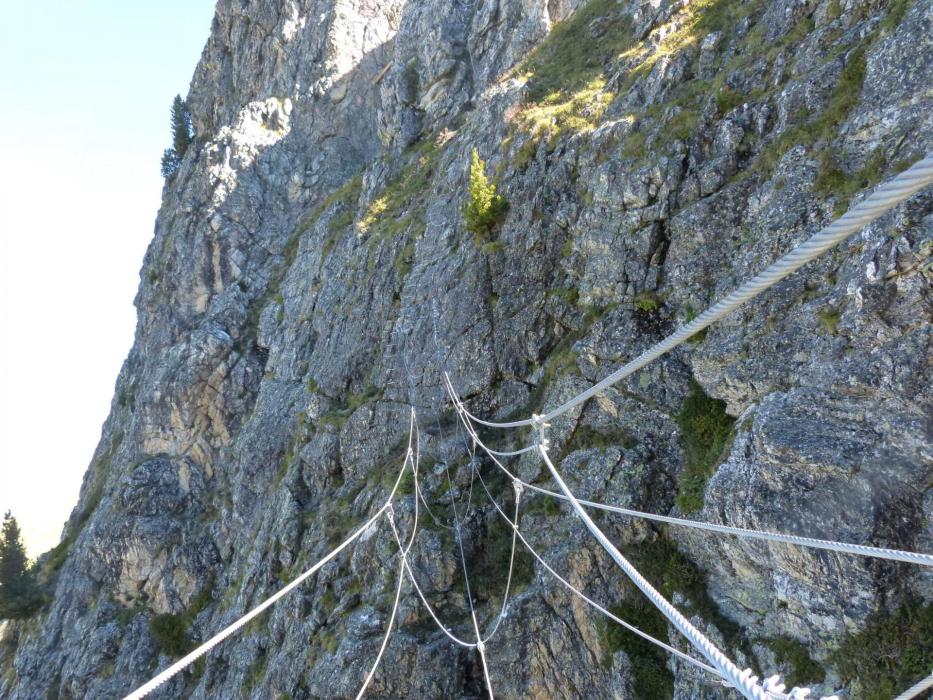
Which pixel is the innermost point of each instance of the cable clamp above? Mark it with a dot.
(773, 685)
(539, 424)
(390, 513)
(519, 487)
(480, 647)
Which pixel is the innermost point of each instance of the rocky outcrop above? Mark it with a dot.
(310, 279)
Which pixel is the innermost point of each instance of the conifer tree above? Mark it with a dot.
(182, 131)
(182, 136)
(19, 593)
(485, 209)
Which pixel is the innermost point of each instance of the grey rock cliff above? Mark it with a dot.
(310, 279)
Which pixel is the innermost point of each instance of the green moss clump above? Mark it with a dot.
(803, 669)
(585, 436)
(542, 505)
(705, 428)
(894, 651)
(485, 209)
(829, 320)
(339, 415)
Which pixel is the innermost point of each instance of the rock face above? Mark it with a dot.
(310, 280)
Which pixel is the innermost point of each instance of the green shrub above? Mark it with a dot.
(182, 137)
(170, 633)
(647, 302)
(652, 679)
(728, 99)
(803, 669)
(485, 209)
(705, 428)
(893, 652)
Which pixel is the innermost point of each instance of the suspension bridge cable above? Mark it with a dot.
(885, 197)
(480, 647)
(518, 485)
(508, 581)
(919, 558)
(194, 655)
(434, 616)
(743, 681)
(470, 447)
(390, 514)
(590, 601)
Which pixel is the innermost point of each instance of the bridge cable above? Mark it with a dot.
(884, 197)
(390, 515)
(919, 558)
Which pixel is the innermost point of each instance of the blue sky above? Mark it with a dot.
(85, 92)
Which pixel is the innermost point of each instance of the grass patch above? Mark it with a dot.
(577, 51)
(339, 415)
(705, 428)
(401, 204)
(894, 651)
(832, 180)
(647, 302)
(690, 313)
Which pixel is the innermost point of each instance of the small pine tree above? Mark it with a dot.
(485, 208)
(182, 130)
(170, 162)
(182, 136)
(19, 593)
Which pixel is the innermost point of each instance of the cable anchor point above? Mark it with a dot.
(539, 424)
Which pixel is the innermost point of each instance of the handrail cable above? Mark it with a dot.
(915, 690)
(744, 681)
(580, 594)
(885, 197)
(919, 558)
